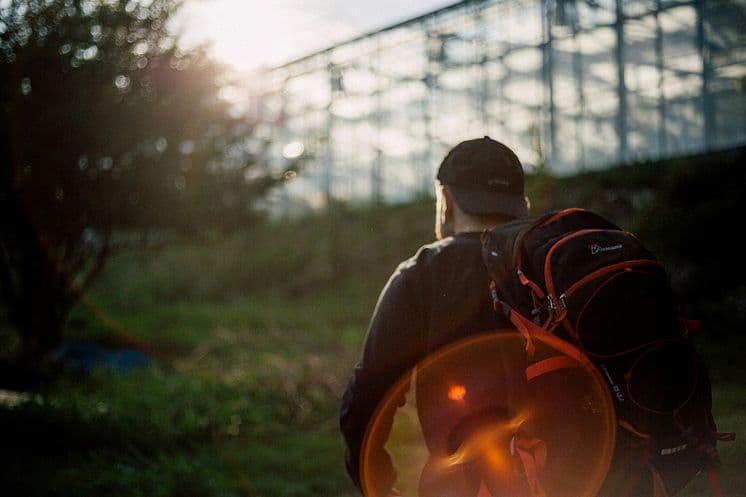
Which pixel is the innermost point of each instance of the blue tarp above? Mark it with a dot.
(87, 357)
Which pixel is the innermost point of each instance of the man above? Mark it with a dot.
(441, 294)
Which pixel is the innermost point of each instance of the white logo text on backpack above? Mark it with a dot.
(674, 450)
(596, 248)
(617, 390)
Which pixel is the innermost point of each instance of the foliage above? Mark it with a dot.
(106, 126)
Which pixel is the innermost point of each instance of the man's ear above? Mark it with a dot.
(448, 206)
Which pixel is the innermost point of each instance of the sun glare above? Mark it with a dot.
(248, 34)
(242, 34)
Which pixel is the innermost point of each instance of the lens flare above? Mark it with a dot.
(475, 419)
(457, 392)
(490, 442)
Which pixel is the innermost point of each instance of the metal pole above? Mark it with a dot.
(329, 162)
(621, 123)
(483, 96)
(705, 53)
(430, 85)
(577, 65)
(662, 135)
(376, 170)
(547, 18)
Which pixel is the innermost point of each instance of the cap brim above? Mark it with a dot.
(474, 201)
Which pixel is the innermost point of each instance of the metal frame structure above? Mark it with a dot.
(570, 85)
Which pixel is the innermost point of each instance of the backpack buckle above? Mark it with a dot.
(550, 304)
(557, 308)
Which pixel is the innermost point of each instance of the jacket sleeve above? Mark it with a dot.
(393, 345)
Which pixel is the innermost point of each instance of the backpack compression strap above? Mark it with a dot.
(549, 365)
(533, 456)
(528, 328)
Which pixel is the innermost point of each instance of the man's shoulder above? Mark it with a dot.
(441, 250)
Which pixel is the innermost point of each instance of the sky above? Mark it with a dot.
(248, 34)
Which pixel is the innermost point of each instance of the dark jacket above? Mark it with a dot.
(438, 296)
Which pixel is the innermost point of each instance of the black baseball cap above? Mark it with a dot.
(485, 177)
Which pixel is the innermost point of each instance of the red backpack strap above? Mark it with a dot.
(713, 479)
(725, 436)
(532, 453)
(713, 473)
(659, 488)
(527, 328)
(549, 365)
(628, 426)
(690, 326)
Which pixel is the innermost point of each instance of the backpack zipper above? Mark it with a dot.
(517, 259)
(552, 300)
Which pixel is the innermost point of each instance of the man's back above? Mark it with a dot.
(435, 298)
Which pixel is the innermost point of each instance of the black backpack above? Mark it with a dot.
(579, 276)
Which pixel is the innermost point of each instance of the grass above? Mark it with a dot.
(157, 420)
(254, 336)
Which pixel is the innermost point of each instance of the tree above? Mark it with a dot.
(106, 124)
